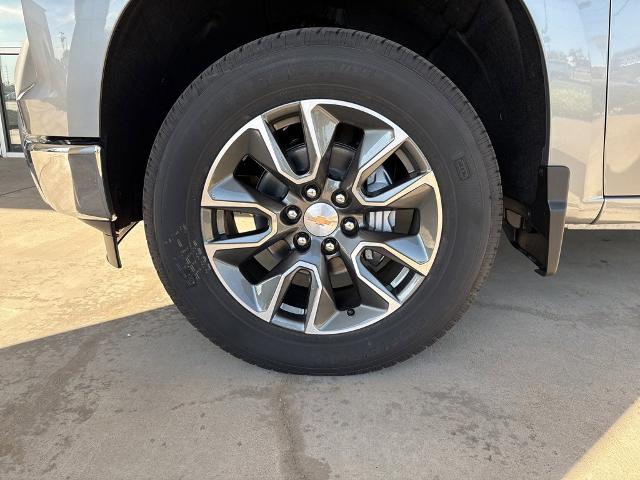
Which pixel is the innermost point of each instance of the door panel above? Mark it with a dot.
(622, 147)
(575, 36)
(9, 132)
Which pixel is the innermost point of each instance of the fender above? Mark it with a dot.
(60, 84)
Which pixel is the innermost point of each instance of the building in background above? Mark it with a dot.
(12, 34)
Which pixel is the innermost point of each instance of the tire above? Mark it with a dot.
(353, 67)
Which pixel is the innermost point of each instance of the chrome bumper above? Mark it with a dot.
(70, 179)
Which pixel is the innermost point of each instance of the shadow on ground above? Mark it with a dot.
(17, 187)
(528, 380)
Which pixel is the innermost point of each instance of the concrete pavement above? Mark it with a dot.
(102, 378)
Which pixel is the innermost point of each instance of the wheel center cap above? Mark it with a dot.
(321, 219)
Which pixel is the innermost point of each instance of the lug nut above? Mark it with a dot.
(311, 192)
(349, 226)
(302, 241)
(292, 214)
(340, 198)
(329, 246)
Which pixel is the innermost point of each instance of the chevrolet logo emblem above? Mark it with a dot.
(320, 220)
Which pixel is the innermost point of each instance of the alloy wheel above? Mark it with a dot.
(321, 216)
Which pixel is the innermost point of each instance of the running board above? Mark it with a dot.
(537, 230)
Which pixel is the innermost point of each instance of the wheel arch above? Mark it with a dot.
(489, 48)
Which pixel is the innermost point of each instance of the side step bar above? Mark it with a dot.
(537, 230)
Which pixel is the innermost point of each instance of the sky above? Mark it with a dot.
(12, 32)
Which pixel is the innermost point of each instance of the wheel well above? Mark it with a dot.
(489, 48)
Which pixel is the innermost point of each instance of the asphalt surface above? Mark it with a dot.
(102, 378)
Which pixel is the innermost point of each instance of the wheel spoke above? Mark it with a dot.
(377, 146)
(408, 250)
(230, 194)
(264, 149)
(319, 127)
(254, 240)
(274, 287)
(265, 296)
(322, 304)
(372, 292)
(235, 250)
(407, 194)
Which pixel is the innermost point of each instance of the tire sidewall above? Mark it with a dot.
(221, 102)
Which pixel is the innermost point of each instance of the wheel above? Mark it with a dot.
(322, 201)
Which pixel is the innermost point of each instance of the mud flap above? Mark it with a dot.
(112, 238)
(537, 230)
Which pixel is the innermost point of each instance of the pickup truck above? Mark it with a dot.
(323, 184)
